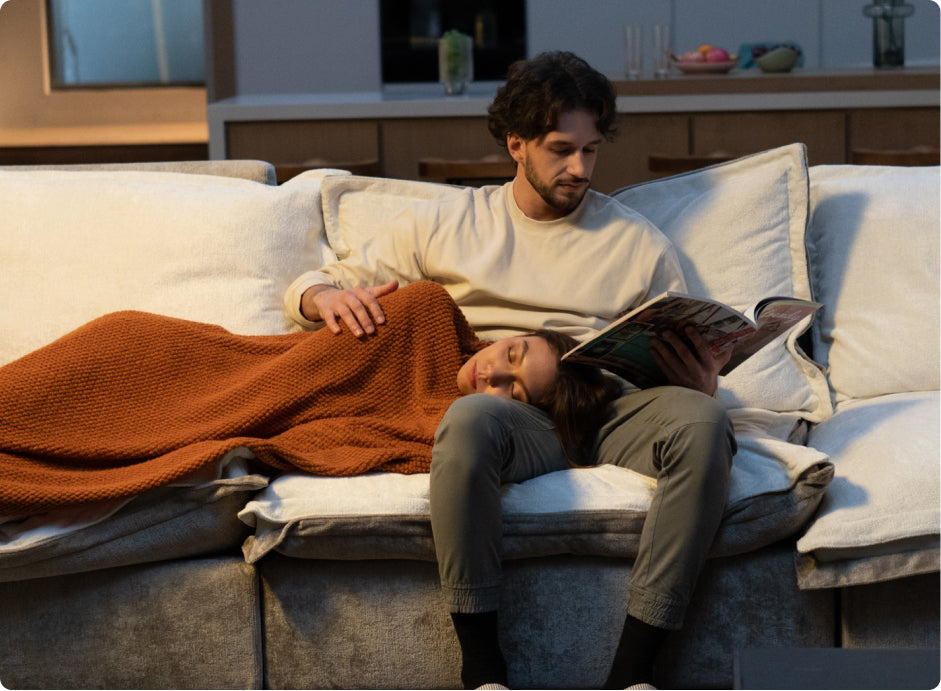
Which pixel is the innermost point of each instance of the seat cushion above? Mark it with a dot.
(880, 516)
(195, 516)
(775, 488)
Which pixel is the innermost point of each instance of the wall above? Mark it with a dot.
(28, 103)
(327, 46)
(831, 33)
(306, 45)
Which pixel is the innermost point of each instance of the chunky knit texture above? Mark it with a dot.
(132, 401)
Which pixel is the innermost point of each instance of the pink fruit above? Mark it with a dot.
(692, 56)
(717, 55)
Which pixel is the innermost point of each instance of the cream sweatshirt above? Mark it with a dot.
(509, 273)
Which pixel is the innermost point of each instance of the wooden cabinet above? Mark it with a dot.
(893, 128)
(407, 140)
(295, 141)
(823, 131)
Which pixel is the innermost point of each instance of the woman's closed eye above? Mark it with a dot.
(516, 356)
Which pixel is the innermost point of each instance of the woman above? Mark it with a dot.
(529, 368)
(133, 401)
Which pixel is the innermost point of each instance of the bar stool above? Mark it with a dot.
(489, 170)
(662, 165)
(916, 156)
(286, 171)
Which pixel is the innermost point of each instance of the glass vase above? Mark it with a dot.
(888, 32)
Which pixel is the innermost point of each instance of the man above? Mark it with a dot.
(547, 251)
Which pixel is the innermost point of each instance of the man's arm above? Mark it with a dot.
(358, 308)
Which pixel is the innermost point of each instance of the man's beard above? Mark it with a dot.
(555, 198)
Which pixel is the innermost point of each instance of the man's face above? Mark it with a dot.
(554, 172)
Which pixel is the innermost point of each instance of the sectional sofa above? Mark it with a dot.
(241, 578)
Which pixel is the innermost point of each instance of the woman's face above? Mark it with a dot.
(520, 367)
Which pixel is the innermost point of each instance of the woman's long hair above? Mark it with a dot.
(577, 400)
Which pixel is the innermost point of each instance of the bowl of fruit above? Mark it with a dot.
(705, 59)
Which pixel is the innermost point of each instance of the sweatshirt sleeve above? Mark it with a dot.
(668, 274)
(392, 254)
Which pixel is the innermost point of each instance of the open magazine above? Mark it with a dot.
(624, 346)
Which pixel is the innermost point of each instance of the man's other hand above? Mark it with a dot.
(688, 361)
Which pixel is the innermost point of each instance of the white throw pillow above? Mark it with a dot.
(738, 228)
(76, 245)
(874, 247)
(357, 208)
(883, 504)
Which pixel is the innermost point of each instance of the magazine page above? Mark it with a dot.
(624, 347)
(774, 317)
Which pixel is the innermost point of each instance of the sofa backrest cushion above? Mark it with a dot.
(76, 245)
(357, 208)
(738, 228)
(247, 169)
(873, 244)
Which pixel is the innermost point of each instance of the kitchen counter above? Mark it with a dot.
(740, 90)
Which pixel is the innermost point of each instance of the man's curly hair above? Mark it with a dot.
(539, 90)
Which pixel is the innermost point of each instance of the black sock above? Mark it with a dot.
(634, 658)
(483, 662)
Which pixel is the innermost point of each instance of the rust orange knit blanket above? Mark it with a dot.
(132, 401)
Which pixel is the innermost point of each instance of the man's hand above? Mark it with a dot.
(688, 361)
(358, 308)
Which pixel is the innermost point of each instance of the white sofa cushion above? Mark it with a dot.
(357, 208)
(196, 515)
(775, 488)
(738, 228)
(76, 245)
(874, 248)
(881, 514)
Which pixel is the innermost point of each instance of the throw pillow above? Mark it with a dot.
(738, 228)
(357, 208)
(77, 245)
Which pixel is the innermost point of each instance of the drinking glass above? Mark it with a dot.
(661, 50)
(633, 50)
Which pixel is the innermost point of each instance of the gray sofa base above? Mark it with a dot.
(903, 613)
(381, 624)
(190, 624)
(298, 623)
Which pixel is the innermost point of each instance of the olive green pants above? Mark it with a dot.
(681, 437)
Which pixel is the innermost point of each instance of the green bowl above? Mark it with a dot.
(780, 59)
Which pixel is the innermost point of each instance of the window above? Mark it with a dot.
(125, 43)
(411, 29)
